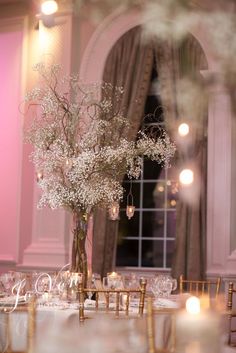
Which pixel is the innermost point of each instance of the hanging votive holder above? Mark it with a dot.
(130, 211)
(68, 164)
(130, 208)
(114, 211)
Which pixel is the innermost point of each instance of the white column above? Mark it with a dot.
(219, 182)
(51, 230)
(11, 71)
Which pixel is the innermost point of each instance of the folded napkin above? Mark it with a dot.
(134, 302)
(12, 299)
(165, 303)
(89, 303)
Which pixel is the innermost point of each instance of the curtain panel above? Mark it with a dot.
(183, 99)
(129, 65)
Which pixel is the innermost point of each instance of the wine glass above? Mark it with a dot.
(7, 280)
(105, 283)
(91, 285)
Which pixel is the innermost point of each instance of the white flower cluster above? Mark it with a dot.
(79, 144)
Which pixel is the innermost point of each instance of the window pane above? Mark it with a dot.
(152, 253)
(128, 227)
(135, 192)
(172, 194)
(151, 169)
(171, 224)
(172, 172)
(169, 252)
(153, 195)
(153, 224)
(127, 253)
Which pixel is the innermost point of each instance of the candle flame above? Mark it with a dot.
(193, 305)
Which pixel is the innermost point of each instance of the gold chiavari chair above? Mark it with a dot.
(152, 312)
(232, 312)
(200, 287)
(115, 293)
(30, 309)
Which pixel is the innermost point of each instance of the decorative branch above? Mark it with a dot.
(79, 143)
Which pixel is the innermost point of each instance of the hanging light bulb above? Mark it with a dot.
(130, 208)
(49, 7)
(114, 211)
(39, 176)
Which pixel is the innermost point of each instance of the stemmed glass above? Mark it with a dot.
(7, 281)
(163, 285)
(91, 285)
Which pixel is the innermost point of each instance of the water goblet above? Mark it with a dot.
(91, 285)
(7, 280)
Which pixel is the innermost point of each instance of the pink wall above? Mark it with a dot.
(10, 141)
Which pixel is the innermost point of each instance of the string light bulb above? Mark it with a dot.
(49, 7)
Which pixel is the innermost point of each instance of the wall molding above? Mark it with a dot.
(7, 259)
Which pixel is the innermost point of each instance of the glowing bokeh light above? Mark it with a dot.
(186, 176)
(193, 305)
(49, 7)
(183, 129)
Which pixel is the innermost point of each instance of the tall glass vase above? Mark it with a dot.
(79, 261)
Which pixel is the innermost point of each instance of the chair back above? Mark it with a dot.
(232, 313)
(200, 287)
(152, 312)
(117, 294)
(30, 309)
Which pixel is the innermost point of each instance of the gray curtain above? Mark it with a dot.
(179, 68)
(129, 65)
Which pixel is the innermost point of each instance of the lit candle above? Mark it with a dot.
(130, 211)
(196, 330)
(45, 296)
(112, 274)
(75, 278)
(114, 211)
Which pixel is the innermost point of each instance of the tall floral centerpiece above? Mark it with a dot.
(81, 150)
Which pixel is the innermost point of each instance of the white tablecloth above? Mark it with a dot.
(58, 330)
(55, 321)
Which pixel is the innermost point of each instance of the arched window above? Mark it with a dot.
(130, 64)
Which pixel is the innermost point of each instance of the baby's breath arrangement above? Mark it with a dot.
(81, 149)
